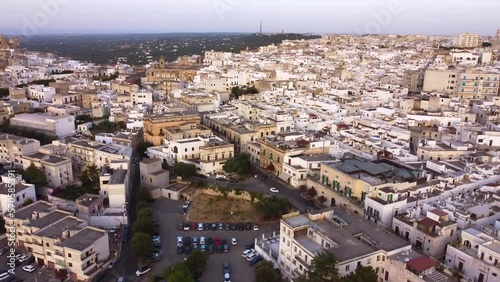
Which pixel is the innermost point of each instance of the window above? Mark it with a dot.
(70, 264)
(347, 268)
(69, 255)
(46, 244)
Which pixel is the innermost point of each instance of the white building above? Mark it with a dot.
(41, 93)
(60, 126)
(114, 184)
(14, 193)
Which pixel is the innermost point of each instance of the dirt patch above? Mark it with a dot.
(206, 208)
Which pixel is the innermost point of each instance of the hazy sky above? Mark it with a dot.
(320, 16)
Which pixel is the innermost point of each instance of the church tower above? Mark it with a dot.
(162, 62)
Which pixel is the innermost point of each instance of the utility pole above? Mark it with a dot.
(260, 30)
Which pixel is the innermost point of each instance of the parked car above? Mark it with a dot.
(206, 226)
(210, 249)
(125, 232)
(183, 211)
(241, 226)
(112, 263)
(227, 277)
(221, 226)
(185, 205)
(113, 230)
(245, 253)
(250, 246)
(22, 258)
(255, 260)
(225, 246)
(203, 247)
(187, 241)
(228, 226)
(156, 223)
(233, 180)
(252, 256)
(187, 250)
(217, 241)
(248, 226)
(154, 257)
(142, 270)
(218, 248)
(180, 249)
(226, 268)
(234, 226)
(186, 226)
(202, 240)
(193, 226)
(4, 250)
(274, 190)
(29, 268)
(214, 226)
(234, 241)
(180, 241)
(210, 241)
(200, 226)
(255, 227)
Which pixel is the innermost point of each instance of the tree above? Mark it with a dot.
(486, 44)
(312, 192)
(324, 268)
(273, 207)
(61, 274)
(362, 274)
(34, 175)
(145, 212)
(144, 225)
(142, 246)
(143, 195)
(143, 205)
(4, 92)
(240, 164)
(264, 271)
(142, 147)
(90, 175)
(197, 261)
(179, 273)
(184, 169)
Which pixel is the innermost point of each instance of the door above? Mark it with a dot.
(481, 277)
(396, 230)
(460, 265)
(419, 245)
(407, 235)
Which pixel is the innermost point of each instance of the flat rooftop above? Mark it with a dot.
(355, 237)
(39, 206)
(19, 186)
(48, 219)
(83, 239)
(53, 159)
(55, 230)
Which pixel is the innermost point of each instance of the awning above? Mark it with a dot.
(284, 176)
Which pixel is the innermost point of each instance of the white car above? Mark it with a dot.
(274, 190)
(200, 226)
(245, 253)
(234, 241)
(252, 255)
(29, 268)
(142, 271)
(202, 240)
(186, 205)
(22, 258)
(180, 241)
(255, 227)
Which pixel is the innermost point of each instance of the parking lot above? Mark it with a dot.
(168, 214)
(38, 275)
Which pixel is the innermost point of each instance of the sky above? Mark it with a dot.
(438, 17)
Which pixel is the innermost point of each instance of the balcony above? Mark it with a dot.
(89, 268)
(339, 193)
(59, 254)
(88, 257)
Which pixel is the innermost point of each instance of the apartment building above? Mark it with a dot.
(477, 256)
(155, 125)
(353, 240)
(14, 192)
(447, 150)
(142, 97)
(12, 147)
(114, 185)
(296, 168)
(124, 138)
(152, 173)
(478, 85)
(350, 181)
(60, 126)
(107, 154)
(442, 81)
(59, 240)
(82, 152)
(63, 110)
(467, 40)
(71, 98)
(429, 234)
(41, 93)
(58, 170)
(214, 153)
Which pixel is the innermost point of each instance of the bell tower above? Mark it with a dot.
(162, 62)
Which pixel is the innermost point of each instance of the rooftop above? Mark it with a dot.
(55, 230)
(52, 159)
(83, 239)
(38, 206)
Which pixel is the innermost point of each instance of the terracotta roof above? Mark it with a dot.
(439, 212)
(428, 222)
(421, 263)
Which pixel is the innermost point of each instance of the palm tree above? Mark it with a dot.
(324, 268)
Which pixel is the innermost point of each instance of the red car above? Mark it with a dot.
(217, 241)
(193, 226)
